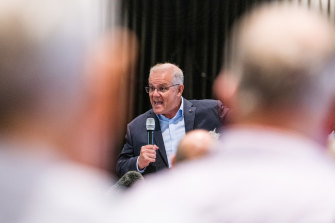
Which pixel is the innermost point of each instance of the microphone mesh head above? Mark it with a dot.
(150, 124)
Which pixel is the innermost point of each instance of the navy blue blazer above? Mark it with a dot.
(198, 114)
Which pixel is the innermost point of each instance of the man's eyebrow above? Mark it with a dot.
(160, 85)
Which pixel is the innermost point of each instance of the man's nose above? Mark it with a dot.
(155, 92)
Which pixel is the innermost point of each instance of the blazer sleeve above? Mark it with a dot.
(127, 158)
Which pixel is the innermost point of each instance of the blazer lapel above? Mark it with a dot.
(158, 138)
(189, 115)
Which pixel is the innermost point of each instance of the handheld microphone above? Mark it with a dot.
(150, 126)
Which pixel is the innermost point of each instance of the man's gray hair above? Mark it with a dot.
(178, 76)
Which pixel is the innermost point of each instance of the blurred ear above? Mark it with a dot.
(109, 99)
(225, 87)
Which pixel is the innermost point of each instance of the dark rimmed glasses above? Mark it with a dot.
(160, 89)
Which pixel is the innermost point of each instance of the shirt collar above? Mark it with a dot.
(179, 113)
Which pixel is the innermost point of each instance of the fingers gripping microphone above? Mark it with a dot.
(150, 126)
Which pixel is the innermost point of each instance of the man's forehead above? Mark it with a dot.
(163, 76)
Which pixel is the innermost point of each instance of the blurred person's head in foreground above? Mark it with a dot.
(59, 83)
(281, 70)
(194, 145)
(57, 72)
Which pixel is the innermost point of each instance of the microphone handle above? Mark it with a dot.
(150, 137)
(150, 134)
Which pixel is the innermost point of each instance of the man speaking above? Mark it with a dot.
(173, 115)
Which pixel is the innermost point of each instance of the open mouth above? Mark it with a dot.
(158, 102)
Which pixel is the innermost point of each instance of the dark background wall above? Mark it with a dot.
(189, 33)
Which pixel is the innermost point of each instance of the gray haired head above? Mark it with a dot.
(178, 76)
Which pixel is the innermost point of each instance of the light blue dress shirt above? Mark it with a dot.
(172, 131)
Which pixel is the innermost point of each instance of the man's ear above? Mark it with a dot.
(180, 89)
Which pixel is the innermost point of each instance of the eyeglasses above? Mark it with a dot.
(160, 89)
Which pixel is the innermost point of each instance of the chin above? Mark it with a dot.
(158, 111)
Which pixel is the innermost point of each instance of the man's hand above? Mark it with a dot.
(147, 156)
